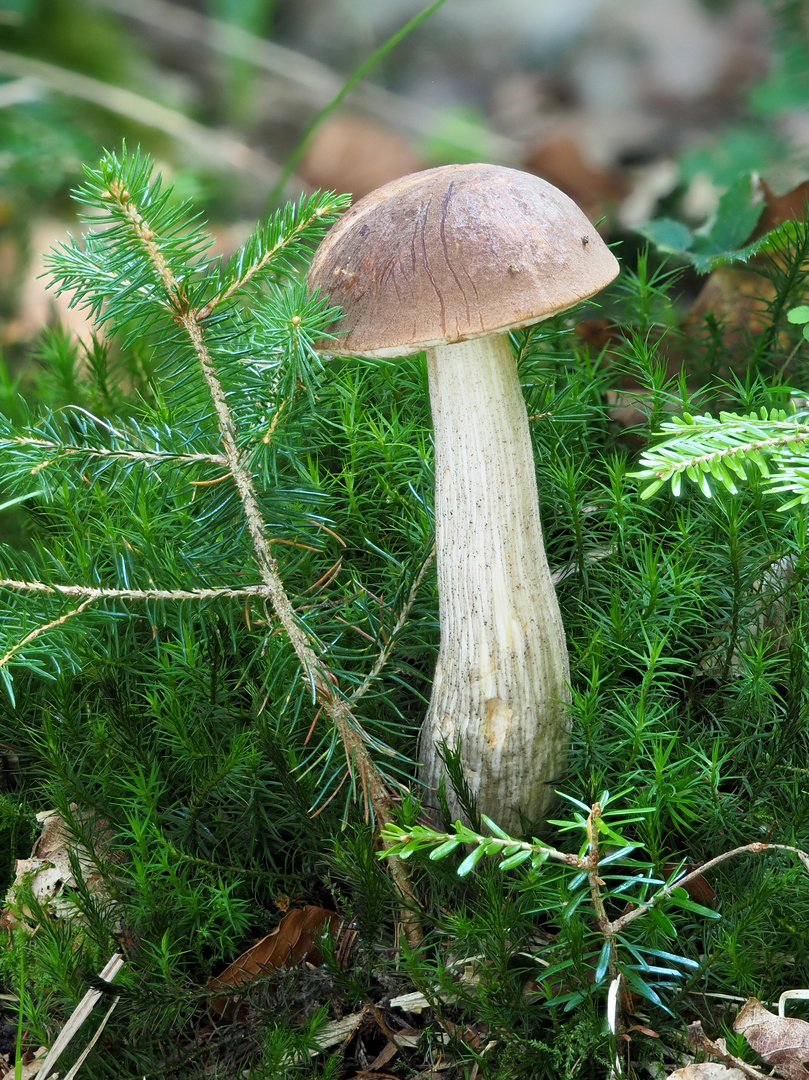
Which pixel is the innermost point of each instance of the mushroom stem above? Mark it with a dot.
(501, 681)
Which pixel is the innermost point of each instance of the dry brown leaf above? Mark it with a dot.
(351, 153)
(292, 942)
(781, 208)
(29, 1070)
(559, 160)
(49, 874)
(388, 1051)
(698, 887)
(718, 1049)
(781, 1041)
(737, 299)
(707, 1070)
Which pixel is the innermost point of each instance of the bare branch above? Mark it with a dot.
(756, 848)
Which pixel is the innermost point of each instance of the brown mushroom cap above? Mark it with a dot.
(455, 253)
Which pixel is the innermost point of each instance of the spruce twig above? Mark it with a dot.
(323, 683)
(42, 629)
(150, 456)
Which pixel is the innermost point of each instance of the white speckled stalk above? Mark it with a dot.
(501, 682)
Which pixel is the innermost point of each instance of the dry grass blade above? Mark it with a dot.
(77, 1018)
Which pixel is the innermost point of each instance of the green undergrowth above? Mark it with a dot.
(172, 725)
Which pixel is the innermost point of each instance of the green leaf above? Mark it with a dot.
(515, 860)
(686, 961)
(721, 239)
(619, 853)
(471, 861)
(663, 922)
(603, 963)
(538, 858)
(680, 897)
(494, 828)
(643, 988)
(667, 235)
(651, 489)
(444, 849)
(735, 218)
(799, 314)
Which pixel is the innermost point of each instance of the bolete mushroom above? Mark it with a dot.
(449, 261)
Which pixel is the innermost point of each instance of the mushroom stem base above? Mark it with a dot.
(501, 689)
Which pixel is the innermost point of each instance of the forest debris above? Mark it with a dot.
(49, 873)
(707, 1070)
(718, 1049)
(414, 1002)
(388, 1051)
(558, 159)
(75, 1021)
(350, 153)
(781, 1041)
(30, 1068)
(294, 941)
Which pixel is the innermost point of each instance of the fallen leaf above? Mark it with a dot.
(559, 159)
(718, 1049)
(699, 889)
(734, 299)
(781, 1041)
(351, 153)
(706, 1070)
(293, 941)
(650, 1032)
(388, 1051)
(49, 873)
(29, 1070)
(781, 208)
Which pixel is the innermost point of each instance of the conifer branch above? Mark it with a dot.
(264, 258)
(323, 682)
(35, 633)
(156, 256)
(146, 235)
(719, 452)
(376, 795)
(133, 594)
(60, 450)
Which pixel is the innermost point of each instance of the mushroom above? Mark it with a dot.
(449, 261)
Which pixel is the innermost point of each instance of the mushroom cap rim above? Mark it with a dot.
(409, 348)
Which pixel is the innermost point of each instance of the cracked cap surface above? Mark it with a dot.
(454, 253)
